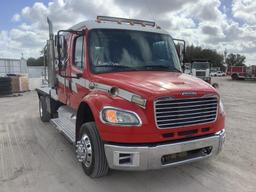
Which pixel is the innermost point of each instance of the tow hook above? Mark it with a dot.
(206, 151)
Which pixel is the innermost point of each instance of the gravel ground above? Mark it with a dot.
(35, 157)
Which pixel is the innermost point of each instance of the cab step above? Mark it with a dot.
(66, 122)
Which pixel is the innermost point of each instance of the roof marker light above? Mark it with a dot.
(124, 20)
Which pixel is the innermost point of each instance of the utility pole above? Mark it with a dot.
(225, 56)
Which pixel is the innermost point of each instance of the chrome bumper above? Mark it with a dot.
(152, 157)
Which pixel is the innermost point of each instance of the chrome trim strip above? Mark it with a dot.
(187, 102)
(186, 118)
(188, 106)
(187, 110)
(97, 86)
(186, 114)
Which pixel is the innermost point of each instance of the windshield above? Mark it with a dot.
(200, 65)
(113, 50)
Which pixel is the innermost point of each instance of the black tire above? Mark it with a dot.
(99, 165)
(235, 77)
(45, 116)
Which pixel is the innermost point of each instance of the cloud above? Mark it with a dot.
(245, 10)
(199, 22)
(16, 18)
(210, 30)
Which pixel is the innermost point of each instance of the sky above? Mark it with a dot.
(216, 24)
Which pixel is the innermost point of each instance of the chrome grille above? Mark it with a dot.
(170, 112)
(200, 73)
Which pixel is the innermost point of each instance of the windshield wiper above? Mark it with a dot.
(155, 67)
(115, 66)
(176, 70)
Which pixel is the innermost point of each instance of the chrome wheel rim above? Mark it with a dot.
(84, 150)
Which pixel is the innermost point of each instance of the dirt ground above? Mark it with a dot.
(35, 157)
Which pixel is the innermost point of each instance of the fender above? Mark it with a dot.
(91, 106)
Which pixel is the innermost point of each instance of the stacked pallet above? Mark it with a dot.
(13, 84)
(19, 83)
(5, 86)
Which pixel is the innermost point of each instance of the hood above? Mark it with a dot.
(155, 83)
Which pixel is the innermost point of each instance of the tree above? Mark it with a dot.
(235, 60)
(197, 52)
(35, 62)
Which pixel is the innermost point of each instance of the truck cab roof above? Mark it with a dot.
(95, 24)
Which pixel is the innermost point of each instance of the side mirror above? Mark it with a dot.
(183, 67)
(180, 45)
(61, 45)
(215, 85)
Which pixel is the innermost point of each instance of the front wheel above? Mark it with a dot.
(90, 151)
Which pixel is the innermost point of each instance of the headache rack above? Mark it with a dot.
(124, 20)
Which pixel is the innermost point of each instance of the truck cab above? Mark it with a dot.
(201, 69)
(117, 91)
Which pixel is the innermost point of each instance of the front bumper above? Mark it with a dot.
(163, 155)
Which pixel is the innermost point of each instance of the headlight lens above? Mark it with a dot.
(120, 117)
(221, 107)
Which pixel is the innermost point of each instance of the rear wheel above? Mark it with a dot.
(90, 151)
(235, 77)
(45, 116)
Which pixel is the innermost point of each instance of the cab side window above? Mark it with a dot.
(78, 55)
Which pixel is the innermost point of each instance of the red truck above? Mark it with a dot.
(241, 72)
(117, 92)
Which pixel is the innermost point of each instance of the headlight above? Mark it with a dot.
(222, 111)
(120, 117)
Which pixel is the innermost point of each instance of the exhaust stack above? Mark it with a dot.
(51, 56)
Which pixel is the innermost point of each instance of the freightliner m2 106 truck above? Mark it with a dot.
(117, 92)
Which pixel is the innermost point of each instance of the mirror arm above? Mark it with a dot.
(82, 32)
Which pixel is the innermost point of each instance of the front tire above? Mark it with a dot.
(90, 151)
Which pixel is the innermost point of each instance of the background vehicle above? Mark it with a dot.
(218, 74)
(201, 69)
(118, 93)
(241, 72)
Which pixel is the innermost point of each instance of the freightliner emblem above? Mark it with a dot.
(189, 93)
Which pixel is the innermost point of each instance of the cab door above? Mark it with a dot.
(77, 69)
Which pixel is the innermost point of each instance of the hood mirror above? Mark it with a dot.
(215, 85)
(180, 45)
